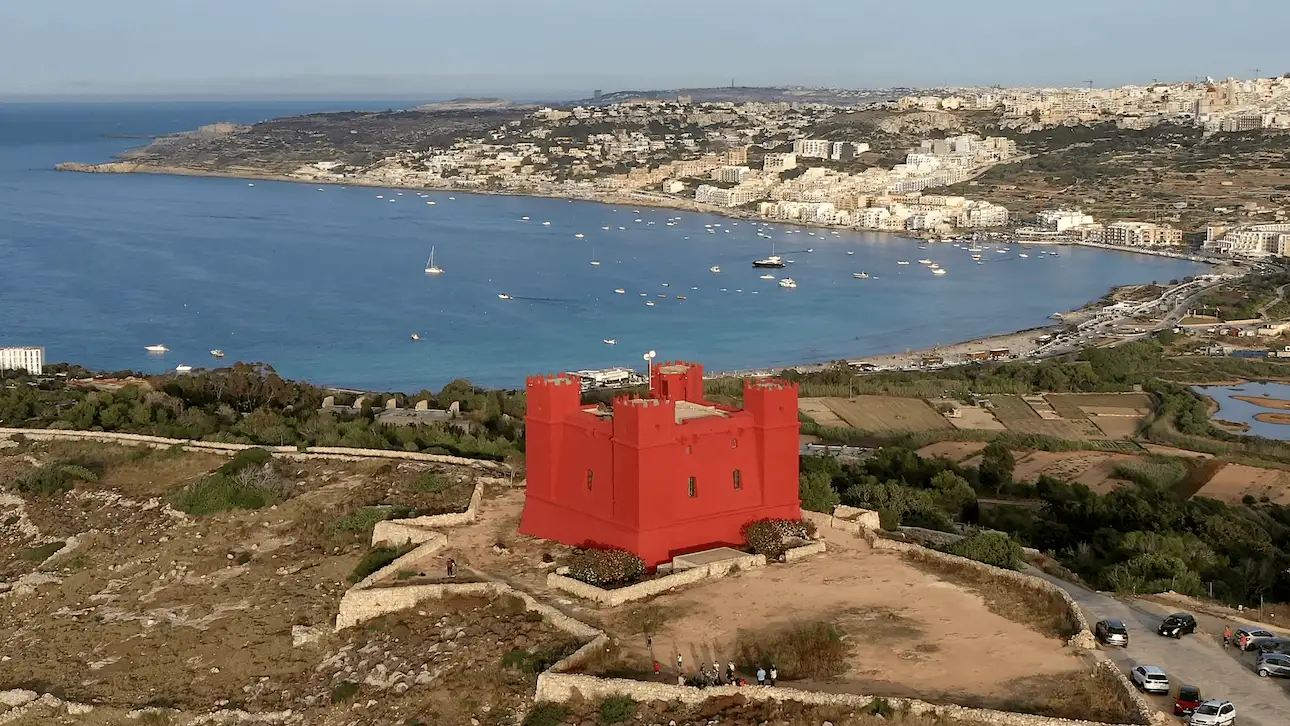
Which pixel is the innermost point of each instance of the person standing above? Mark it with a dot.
(761, 676)
(680, 663)
(452, 567)
(1227, 634)
(730, 671)
(774, 674)
(658, 669)
(716, 671)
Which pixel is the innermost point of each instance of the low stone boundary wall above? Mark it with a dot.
(1083, 637)
(797, 553)
(360, 605)
(650, 588)
(218, 447)
(1129, 695)
(847, 519)
(554, 686)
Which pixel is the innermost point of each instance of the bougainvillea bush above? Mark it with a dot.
(606, 566)
(771, 537)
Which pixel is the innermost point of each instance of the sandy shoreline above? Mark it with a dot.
(1018, 343)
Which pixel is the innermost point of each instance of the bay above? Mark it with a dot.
(328, 286)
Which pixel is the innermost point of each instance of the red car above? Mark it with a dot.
(1186, 701)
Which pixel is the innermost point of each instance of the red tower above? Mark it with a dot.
(659, 476)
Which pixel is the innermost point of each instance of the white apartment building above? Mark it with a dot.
(846, 150)
(1060, 220)
(983, 214)
(28, 359)
(813, 148)
(672, 186)
(1141, 234)
(1254, 241)
(732, 174)
(779, 162)
(707, 194)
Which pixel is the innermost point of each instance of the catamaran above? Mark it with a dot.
(431, 267)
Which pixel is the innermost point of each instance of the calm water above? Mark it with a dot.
(328, 285)
(1230, 409)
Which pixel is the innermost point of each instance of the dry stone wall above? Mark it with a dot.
(797, 553)
(656, 586)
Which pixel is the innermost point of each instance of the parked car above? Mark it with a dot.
(1177, 625)
(1213, 713)
(1276, 645)
(1186, 701)
(1249, 638)
(1272, 664)
(1111, 632)
(1151, 679)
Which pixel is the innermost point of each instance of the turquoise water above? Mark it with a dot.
(329, 285)
(1230, 409)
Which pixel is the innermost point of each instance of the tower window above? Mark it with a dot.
(734, 443)
(688, 449)
(739, 479)
(694, 488)
(591, 477)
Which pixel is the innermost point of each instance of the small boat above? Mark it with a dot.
(1022, 254)
(622, 228)
(620, 291)
(431, 267)
(183, 368)
(667, 284)
(217, 353)
(250, 185)
(860, 275)
(605, 228)
(663, 296)
(452, 197)
(680, 297)
(649, 303)
(431, 202)
(976, 257)
(714, 268)
(156, 348)
(525, 218)
(768, 277)
(851, 252)
(503, 296)
(595, 263)
(609, 341)
(903, 262)
(938, 271)
(924, 262)
(380, 196)
(416, 336)
(1054, 253)
(578, 235)
(933, 266)
(787, 282)
(774, 261)
(546, 224)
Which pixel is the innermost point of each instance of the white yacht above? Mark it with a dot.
(902, 262)
(525, 218)
(768, 277)
(851, 252)
(976, 257)
(788, 282)
(774, 261)
(183, 368)
(416, 336)
(156, 348)
(217, 353)
(609, 341)
(546, 224)
(1022, 254)
(578, 235)
(649, 303)
(503, 296)
(860, 275)
(924, 262)
(620, 291)
(431, 267)
(431, 202)
(938, 271)
(714, 268)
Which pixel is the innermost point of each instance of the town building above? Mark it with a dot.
(1060, 220)
(813, 148)
(779, 162)
(659, 476)
(736, 156)
(27, 359)
(1141, 234)
(732, 174)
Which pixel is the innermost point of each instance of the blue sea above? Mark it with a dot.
(328, 285)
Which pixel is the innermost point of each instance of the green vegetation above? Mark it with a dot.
(251, 404)
(773, 537)
(991, 548)
(805, 650)
(42, 552)
(816, 493)
(546, 714)
(248, 481)
(344, 691)
(617, 709)
(376, 558)
(59, 476)
(606, 567)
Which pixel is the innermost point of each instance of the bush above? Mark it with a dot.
(219, 493)
(431, 482)
(771, 537)
(808, 650)
(42, 552)
(991, 548)
(344, 691)
(246, 458)
(617, 709)
(57, 477)
(546, 714)
(606, 567)
(816, 491)
(363, 519)
(377, 558)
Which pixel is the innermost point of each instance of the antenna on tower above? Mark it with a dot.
(1090, 85)
(1256, 72)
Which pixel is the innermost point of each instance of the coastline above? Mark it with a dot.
(1019, 343)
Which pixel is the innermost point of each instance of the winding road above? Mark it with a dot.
(1197, 660)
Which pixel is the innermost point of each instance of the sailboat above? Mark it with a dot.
(594, 262)
(773, 261)
(431, 267)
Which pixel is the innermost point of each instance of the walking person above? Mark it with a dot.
(730, 671)
(761, 676)
(774, 674)
(680, 663)
(1227, 634)
(658, 669)
(452, 567)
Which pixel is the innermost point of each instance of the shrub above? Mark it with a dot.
(57, 477)
(606, 567)
(377, 558)
(363, 519)
(344, 691)
(806, 650)
(771, 537)
(42, 552)
(430, 482)
(991, 548)
(246, 458)
(617, 709)
(546, 714)
(816, 491)
(218, 493)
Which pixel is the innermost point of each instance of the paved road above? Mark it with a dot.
(1198, 660)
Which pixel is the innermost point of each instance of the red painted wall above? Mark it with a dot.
(641, 461)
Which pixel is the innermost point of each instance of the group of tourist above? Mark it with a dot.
(715, 677)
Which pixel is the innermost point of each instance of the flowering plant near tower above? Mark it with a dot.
(606, 566)
(771, 537)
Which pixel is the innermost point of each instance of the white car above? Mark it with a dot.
(1151, 679)
(1214, 713)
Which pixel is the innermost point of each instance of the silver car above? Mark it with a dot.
(1151, 679)
(1273, 664)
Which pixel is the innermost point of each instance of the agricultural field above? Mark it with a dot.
(1233, 482)
(878, 413)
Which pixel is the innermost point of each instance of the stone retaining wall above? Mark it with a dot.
(797, 553)
(1130, 698)
(217, 447)
(656, 586)
(554, 686)
(847, 519)
(359, 605)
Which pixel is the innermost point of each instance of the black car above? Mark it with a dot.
(1111, 632)
(1177, 625)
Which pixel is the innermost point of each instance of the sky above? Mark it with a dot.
(552, 49)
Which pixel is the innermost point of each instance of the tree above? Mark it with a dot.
(996, 466)
(816, 491)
